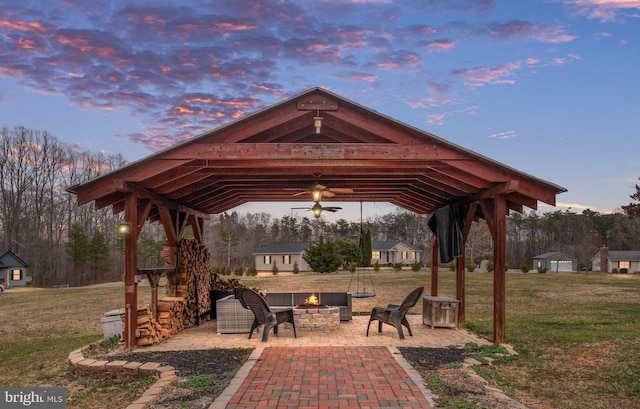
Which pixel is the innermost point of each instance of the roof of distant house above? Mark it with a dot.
(620, 255)
(299, 246)
(551, 254)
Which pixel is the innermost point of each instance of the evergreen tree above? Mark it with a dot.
(323, 256)
(633, 209)
(77, 249)
(98, 256)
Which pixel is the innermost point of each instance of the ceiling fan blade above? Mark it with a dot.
(300, 208)
(341, 190)
(319, 186)
(304, 192)
(332, 208)
(328, 193)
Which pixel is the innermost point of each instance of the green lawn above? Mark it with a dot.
(577, 335)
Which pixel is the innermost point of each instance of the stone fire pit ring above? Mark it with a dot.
(316, 318)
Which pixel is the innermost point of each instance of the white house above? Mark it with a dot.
(285, 255)
(555, 261)
(607, 260)
(13, 271)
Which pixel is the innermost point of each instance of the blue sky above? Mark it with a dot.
(551, 88)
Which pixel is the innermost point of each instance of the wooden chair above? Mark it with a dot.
(270, 317)
(396, 314)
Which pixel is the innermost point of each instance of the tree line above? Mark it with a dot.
(66, 244)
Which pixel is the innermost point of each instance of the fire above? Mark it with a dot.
(312, 300)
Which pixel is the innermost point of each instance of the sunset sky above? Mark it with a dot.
(548, 87)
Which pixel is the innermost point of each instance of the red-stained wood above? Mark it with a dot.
(275, 153)
(434, 266)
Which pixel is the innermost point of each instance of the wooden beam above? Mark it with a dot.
(130, 269)
(499, 270)
(157, 199)
(460, 267)
(434, 266)
(314, 151)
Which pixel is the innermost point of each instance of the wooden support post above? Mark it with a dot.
(499, 273)
(460, 284)
(130, 269)
(460, 271)
(434, 267)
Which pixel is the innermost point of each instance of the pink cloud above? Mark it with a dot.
(479, 76)
(539, 32)
(604, 10)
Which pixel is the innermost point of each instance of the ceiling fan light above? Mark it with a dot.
(316, 194)
(316, 210)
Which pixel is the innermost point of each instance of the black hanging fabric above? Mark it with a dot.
(446, 223)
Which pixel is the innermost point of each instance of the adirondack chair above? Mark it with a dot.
(270, 317)
(396, 314)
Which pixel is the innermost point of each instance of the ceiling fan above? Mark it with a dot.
(317, 209)
(319, 191)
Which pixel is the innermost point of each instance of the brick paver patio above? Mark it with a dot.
(336, 369)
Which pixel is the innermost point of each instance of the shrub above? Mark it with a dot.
(252, 271)
(624, 270)
(542, 270)
(352, 266)
(296, 268)
(376, 266)
(614, 271)
(471, 266)
(416, 266)
(397, 266)
(490, 267)
(524, 268)
(239, 271)
(452, 266)
(274, 269)
(221, 269)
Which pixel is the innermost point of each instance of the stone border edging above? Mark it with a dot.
(96, 368)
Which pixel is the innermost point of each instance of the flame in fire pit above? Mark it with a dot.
(312, 300)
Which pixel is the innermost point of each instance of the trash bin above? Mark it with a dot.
(111, 324)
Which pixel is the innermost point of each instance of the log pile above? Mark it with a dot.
(152, 331)
(149, 331)
(193, 281)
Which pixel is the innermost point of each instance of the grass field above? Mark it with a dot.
(577, 335)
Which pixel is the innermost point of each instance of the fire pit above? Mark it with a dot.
(311, 315)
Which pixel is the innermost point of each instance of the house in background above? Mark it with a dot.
(286, 255)
(607, 260)
(555, 261)
(391, 252)
(13, 271)
(283, 254)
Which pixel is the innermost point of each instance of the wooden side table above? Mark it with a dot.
(440, 311)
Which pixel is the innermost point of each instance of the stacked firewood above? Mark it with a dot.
(194, 281)
(218, 283)
(149, 330)
(170, 313)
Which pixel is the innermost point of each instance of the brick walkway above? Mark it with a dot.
(328, 378)
(340, 369)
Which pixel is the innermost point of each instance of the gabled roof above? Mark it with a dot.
(389, 245)
(273, 154)
(283, 248)
(10, 259)
(554, 255)
(622, 255)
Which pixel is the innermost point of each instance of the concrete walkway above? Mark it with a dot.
(332, 370)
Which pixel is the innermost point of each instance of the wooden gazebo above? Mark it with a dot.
(270, 155)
